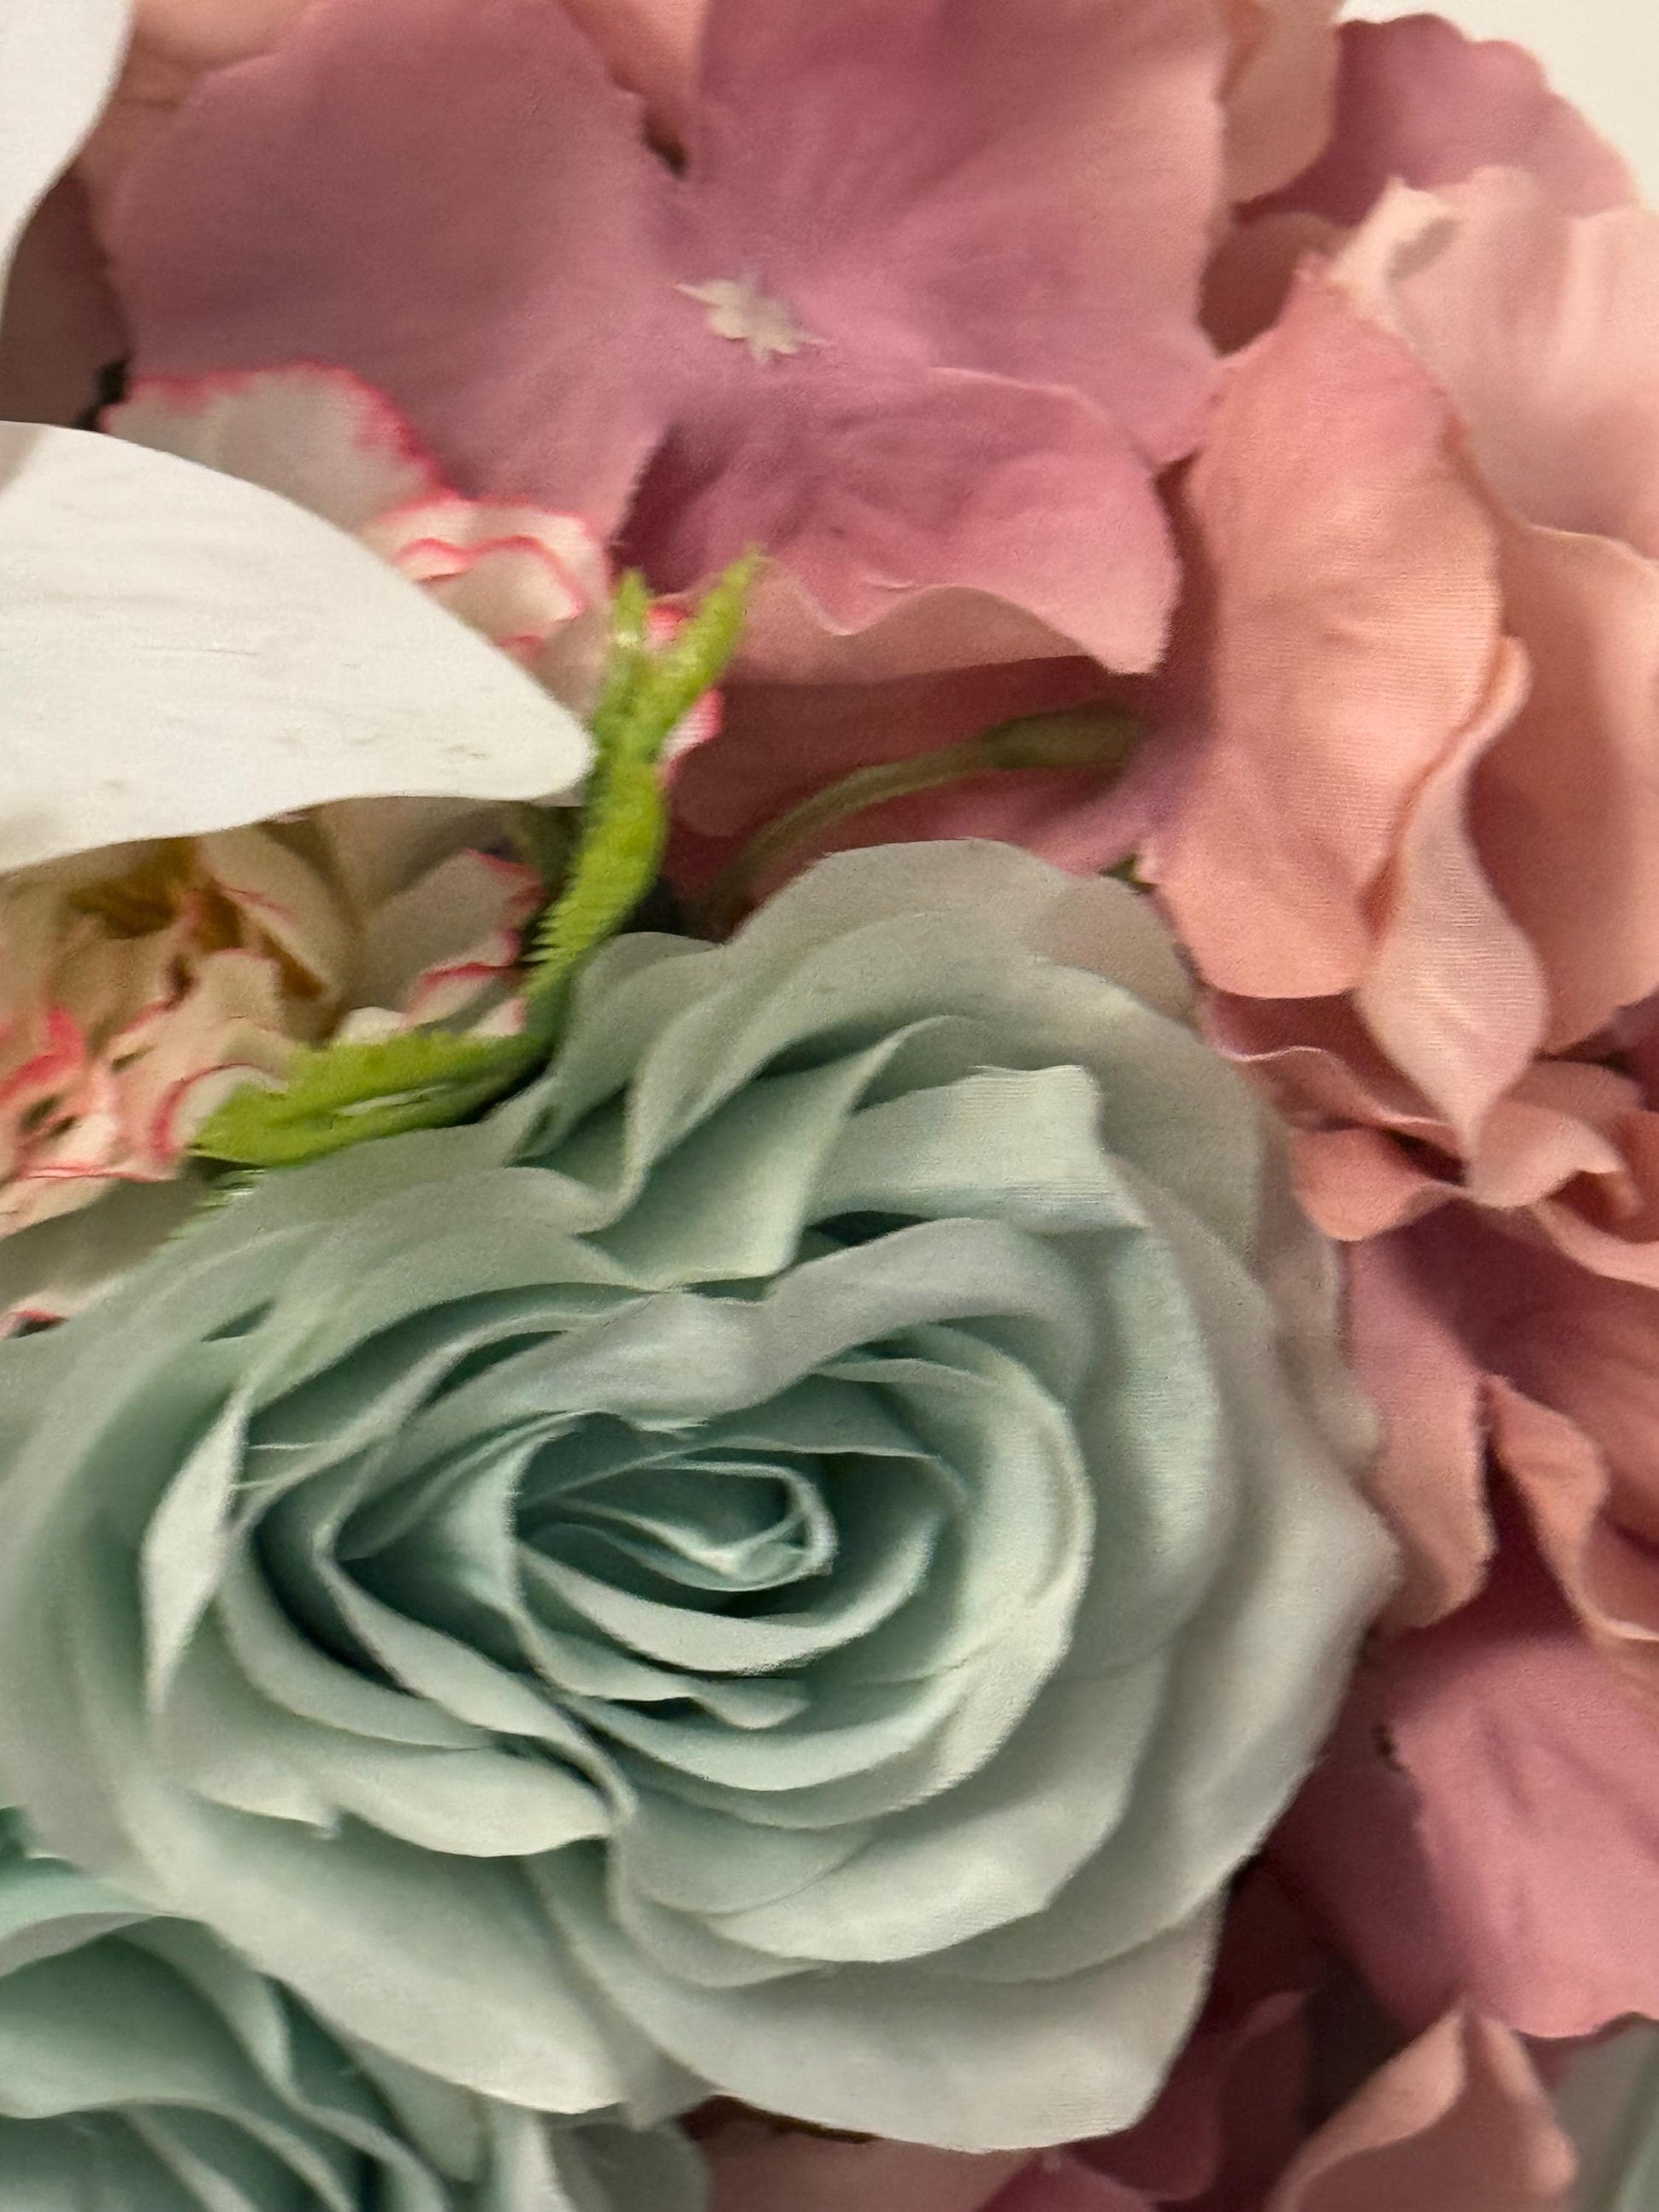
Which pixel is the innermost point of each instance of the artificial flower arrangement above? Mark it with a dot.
(827, 1183)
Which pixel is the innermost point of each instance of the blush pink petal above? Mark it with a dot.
(202, 34)
(1453, 993)
(475, 258)
(1356, 631)
(1418, 100)
(1486, 1820)
(1542, 328)
(1458, 2122)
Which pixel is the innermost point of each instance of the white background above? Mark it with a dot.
(1604, 54)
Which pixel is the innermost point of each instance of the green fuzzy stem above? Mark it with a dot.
(1092, 737)
(349, 1094)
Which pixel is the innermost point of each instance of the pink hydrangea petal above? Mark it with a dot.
(319, 436)
(1458, 2122)
(459, 258)
(1026, 193)
(1417, 99)
(1486, 1820)
(1280, 90)
(1356, 630)
(853, 479)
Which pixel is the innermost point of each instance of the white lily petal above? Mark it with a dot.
(58, 60)
(184, 651)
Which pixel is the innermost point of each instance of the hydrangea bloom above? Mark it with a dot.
(809, 1547)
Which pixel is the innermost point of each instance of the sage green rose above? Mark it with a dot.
(802, 1554)
(144, 2068)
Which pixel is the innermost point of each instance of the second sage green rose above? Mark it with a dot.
(799, 1556)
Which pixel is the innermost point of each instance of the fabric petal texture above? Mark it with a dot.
(812, 1543)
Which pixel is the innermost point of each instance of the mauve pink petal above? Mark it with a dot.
(1356, 630)
(1252, 270)
(1453, 993)
(1542, 328)
(1429, 1480)
(1586, 894)
(1416, 100)
(852, 476)
(1486, 1820)
(1458, 2122)
(469, 256)
(1560, 1121)
(756, 2168)
(1025, 191)
(1359, 1183)
(1280, 90)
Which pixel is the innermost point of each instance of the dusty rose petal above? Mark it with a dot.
(1458, 2122)
(759, 2168)
(1356, 629)
(856, 483)
(1028, 195)
(1358, 1183)
(1416, 100)
(459, 258)
(1281, 89)
(62, 325)
(1486, 1820)
(320, 436)
(1562, 1121)
(1429, 1478)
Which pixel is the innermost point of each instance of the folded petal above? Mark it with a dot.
(187, 652)
(1458, 2122)
(1418, 100)
(1356, 631)
(478, 260)
(869, 486)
